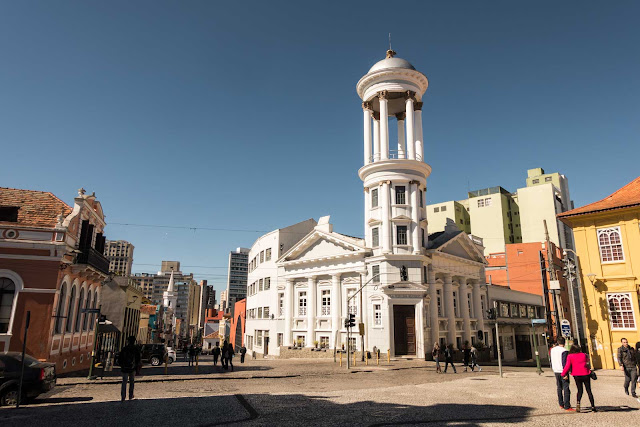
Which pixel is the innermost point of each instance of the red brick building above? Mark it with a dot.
(519, 269)
(51, 264)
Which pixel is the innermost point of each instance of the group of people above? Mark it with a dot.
(226, 354)
(575, 362)
(469, 357)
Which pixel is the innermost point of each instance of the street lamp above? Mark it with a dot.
(592, 279)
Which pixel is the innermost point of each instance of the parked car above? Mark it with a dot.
(171, 353)
(154, 353)
(39, 377)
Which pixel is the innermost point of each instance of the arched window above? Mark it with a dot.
(7, 296)
(79, 311)
(93, 316)
(621, 311)
(72, 300)
(60, 311)
(87, 304)
(610, 244)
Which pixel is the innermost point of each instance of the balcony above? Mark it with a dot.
(95, 259)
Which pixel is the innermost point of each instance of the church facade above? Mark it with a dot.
(409, 289)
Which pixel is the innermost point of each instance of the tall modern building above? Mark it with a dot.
(237, 276)
(144, 282)
(500, 217)
(120, 256)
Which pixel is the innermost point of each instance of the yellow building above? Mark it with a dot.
(607, 238)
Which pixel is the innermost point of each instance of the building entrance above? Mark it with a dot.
(404, 329)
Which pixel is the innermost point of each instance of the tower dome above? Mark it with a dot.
(391, 62)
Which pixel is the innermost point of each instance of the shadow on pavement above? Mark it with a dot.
(261, 409)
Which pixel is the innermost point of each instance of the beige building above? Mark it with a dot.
(500, 217)
(120, 256)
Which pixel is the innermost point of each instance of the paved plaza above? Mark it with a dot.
(318, 392)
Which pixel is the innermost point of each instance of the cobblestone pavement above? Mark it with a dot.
(319, 392)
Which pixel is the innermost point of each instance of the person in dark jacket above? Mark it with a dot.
(448, 358)
(628, 364)
(436, 357)
(243, 352)
(192, 354)
(216, 354)
(129, 360)
(466, 355)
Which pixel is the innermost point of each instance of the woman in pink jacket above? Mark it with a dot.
(578, 365)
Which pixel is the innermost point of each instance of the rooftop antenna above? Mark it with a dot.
(390, 52)
(390, 41)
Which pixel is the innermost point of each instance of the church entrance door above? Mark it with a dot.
(404, 329)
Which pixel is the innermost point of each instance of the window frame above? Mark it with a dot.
(400, 194)
(302, 308)
(610, 230)
(631, 310)
(375, 202)
(325, 299)
(375, 237)
(405, 229)
(377, 315)
(16, 281)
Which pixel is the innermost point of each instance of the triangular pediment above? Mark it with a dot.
(319, 245)
(461, 246)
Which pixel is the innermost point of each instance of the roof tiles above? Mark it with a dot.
(627, 196)
(36, 208)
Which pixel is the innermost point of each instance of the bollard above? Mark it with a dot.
(197, 363)
(389, 355)
(341, 359)
(366, 360)
(378, 357)
(354, 358)
(166, 363)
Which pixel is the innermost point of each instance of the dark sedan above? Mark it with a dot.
(39, 377)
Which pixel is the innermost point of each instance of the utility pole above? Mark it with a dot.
(569, 274)
(495, 307)
(552, 276)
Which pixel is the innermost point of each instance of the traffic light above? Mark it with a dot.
(491, 314)
(346, 323)
(351, 322)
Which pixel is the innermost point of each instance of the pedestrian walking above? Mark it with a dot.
(225, 353)
(578, 366)
(448, 358)
(192, 354)
(558, 356)
(474, 358)
(628, 363)
(466, 355)
(129, 360)
(216, 354)
(230, 354)
(243, 352)
(435, 353)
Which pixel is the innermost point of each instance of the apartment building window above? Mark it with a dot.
(267, 283)
(401, 198)
(259, 312)
(401, 234)
(374, 198)
(280, 305)
(443, 208)
(352, 308)
(621, 311)
(439, 303)
(326, 303)
(377, 315)
(375, 273)
(301, 340)
(265, 312)
(352, 344)
(548, 179)
(249, 342)
(302, 304)
(324, 342)
(259, 338)
(261, 257)
(421, 199)
(375, 237)
(261, 287)
(610, 244)
(455, 304)
(536, 181)
(280, 338)
(267, 254)
(436, 209)
(469, 305)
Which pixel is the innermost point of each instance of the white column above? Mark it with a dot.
(415, 218)
(477, 305)
(386, 225)
(401, 141)
(418, 133)
(336, 325)
(367, 210)
(464, 306)
(311, 311)
(433, 306)
(450, 310)
(411, 152)
(384, 125)
(366, 115)
(376, 140)
(288, 312)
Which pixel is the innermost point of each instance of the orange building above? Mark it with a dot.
(238, 323)
(52, 265)
(519, 268)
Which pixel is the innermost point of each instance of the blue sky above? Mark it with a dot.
(244, 115)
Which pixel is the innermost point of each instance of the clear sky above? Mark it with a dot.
(244, 115)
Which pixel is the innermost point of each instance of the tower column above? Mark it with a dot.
(466, 316)
(386, 233)
(450, 310)
(418, 133)
(367, 211)
(477, 305)
(384, 125)
(401, 142)
(311, 310)
(433, 305)
(335, 309)
(411, 152)
(288, 311)
(366, 115)
(415, 219)
(376, 138)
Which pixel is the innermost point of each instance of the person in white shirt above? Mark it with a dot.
(558, 360)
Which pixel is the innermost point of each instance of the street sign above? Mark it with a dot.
(554, 284)
(90, 310)
(538, 321)
(565, 328)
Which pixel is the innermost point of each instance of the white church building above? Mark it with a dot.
(416, 288)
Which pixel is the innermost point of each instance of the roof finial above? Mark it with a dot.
(390, 53)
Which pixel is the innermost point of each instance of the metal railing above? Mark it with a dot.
(95, 259)
(394, 155)
(325, 311)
